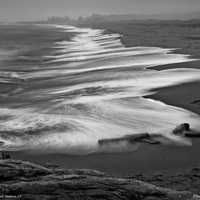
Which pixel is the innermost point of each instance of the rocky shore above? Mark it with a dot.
(25, 180)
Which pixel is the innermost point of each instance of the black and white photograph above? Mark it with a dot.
(99, 99)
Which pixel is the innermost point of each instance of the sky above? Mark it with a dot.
(13, 10)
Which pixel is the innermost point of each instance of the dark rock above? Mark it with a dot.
(17, 170)
(34, 182)
(128, 138)
(179, 130)
(183, 180)
(131, 139)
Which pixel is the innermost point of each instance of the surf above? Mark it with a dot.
(92, 88)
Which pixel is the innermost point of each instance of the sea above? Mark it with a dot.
(64, 88)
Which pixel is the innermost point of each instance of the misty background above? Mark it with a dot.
(20, 10)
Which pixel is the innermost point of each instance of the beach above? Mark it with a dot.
(146, 158)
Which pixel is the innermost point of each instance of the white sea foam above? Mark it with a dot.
(68, 129)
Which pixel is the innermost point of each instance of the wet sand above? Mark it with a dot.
(148, 159)
(186, 96)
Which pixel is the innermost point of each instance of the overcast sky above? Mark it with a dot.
(36, 9)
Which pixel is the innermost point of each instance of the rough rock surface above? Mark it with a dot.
(188, 179)
(34, 182)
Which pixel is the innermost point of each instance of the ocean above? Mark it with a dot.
(64, 88)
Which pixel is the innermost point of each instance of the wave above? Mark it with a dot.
(92, 88)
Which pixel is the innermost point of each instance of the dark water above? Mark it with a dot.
(63, 88)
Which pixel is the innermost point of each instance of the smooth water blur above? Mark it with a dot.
(64, 88)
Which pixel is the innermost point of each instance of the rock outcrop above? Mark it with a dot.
(29, 181)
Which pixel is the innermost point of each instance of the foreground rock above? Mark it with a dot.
(34, 182)
(185, 179)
